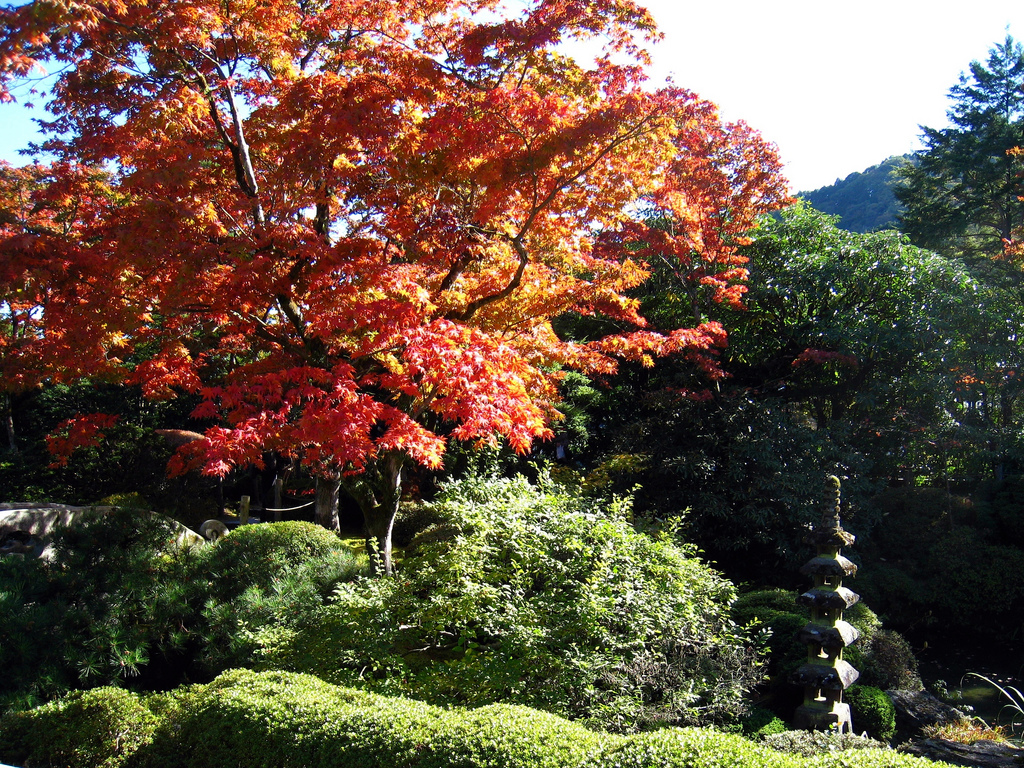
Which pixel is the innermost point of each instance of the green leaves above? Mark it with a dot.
(961, 193)
(536, 594)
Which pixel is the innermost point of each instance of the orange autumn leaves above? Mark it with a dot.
(349, 227)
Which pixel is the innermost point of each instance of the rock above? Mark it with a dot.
(39, 519)
(982, 754)
(916, 710)
(213, 530)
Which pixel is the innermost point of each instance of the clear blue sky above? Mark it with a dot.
(838, 86)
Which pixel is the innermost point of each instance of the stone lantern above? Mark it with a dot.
(826, 675)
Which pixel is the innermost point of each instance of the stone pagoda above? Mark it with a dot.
(826, 675)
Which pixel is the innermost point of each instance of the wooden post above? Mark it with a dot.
(278, 493)
(243, 511)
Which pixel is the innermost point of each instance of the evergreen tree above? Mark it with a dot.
(961, 196)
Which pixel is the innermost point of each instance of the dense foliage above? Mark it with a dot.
(346, 228)
(872, 712)
(882, 657)
(364, 294)
(962, 195)
(850, 358)
(538, 595)
(281, 720)
(131, 459)
(942, 561)
(120, 603)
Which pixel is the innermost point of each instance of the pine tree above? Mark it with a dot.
(961, 194)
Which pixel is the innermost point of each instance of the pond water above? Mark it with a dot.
(956, 669)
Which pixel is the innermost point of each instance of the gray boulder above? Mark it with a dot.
(38, 520)
(916, 710)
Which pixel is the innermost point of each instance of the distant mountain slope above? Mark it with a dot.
(865, 201)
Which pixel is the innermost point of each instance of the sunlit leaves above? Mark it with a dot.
(348, 226)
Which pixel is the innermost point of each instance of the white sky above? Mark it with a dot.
(837, 85)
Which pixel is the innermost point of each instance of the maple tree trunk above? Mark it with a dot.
(379, 523)
(378, 491)
(12, 443)
(325, 510)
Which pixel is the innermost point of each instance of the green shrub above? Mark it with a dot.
(131, 500)
(883, 658)
(890, 663)
(872, 711)
(119, 605)
(537, 596)
(83, 619)
(282, 720)
(778, 612)
(689, 748)
(100, 728)
(761, 722)
(412, 519)
(815, 743)
(254, 555)
(700, 748)
(31, 644)
(258, 578)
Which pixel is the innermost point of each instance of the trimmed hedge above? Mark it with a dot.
(283, 720)
(289, 720)
(872, 711)
(100, 728)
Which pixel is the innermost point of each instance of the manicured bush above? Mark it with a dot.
(820, 744)
(872, 711)
(536, 595)
(701, 748)
(254, 555)
(100, 728)
(259, 577)
(283, 720)
(689, 748)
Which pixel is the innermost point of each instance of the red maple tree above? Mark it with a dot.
(348, 225)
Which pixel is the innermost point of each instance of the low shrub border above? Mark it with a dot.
(287, 720)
